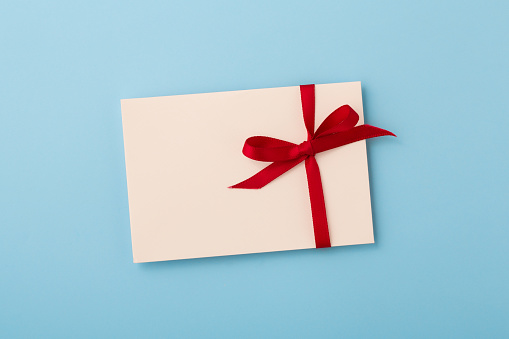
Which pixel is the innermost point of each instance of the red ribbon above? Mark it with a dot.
(336, 130)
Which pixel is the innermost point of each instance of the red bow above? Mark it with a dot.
(336, 130)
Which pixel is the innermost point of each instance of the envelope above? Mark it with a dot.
(183, 152)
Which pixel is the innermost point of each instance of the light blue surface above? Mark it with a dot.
(435, 73)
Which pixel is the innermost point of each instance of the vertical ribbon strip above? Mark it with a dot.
(337, 130)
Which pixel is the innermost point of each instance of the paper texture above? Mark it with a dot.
(182, 152)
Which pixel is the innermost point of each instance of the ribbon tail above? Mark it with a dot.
(268, 174)
(320, 225)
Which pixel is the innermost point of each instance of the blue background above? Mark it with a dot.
(434, 72)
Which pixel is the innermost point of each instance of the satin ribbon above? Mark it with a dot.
(336, 130)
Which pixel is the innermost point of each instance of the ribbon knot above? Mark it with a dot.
(306, 148)
(338, 129)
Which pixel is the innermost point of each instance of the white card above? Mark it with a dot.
(183, 152)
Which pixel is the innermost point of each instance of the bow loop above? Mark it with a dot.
(342, 119)
(269, 149)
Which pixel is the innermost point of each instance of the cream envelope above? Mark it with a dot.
(183, 152)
